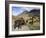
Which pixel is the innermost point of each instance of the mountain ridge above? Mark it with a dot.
(33, 12)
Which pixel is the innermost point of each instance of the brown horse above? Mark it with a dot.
(19, 23)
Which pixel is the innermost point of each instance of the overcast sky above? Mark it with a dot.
(18, 10)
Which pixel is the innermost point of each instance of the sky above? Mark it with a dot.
(18, 10)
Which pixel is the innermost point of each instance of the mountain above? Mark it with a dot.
(34, 12)
(24, 12)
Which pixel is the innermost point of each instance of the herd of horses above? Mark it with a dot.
(20, 22)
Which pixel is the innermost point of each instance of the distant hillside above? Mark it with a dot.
(35, 11)
(13, 16)
(27, 14)
(32, 12)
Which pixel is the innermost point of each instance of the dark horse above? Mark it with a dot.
(19, 23)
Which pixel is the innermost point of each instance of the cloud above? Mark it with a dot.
(16, 13)
(17, 10)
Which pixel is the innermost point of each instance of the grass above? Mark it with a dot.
(34, 26)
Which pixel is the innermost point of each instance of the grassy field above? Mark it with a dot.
(28, 26)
